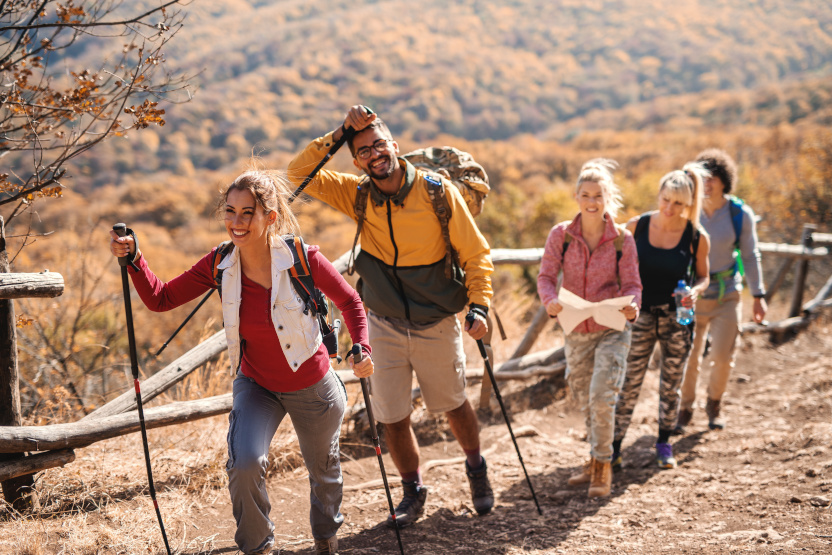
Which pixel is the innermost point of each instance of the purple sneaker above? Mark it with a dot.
(664, 455)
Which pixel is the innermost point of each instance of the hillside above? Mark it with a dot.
(276, 74)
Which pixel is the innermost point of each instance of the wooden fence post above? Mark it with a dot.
(19, 492)
(802, 271)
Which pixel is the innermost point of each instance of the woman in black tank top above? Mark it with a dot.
(671, 247)
(661, 268)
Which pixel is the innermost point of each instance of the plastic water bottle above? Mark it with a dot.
(683, 315)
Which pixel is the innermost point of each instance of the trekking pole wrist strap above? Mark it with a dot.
(478, 310)
(129, 260)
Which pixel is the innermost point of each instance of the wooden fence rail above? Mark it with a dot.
(22, 286)
(118, 417)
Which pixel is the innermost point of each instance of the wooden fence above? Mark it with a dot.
(25, 450)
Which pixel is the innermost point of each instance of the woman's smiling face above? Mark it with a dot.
(245, 220)
(590, 197)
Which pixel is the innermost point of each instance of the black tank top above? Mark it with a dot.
(661, 269)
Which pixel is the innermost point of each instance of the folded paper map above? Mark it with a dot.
(576, 310)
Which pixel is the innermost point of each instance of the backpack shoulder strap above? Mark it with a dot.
(735, 207)
(301, 276)
(619, 241)
(442, 208)
(222, 250)
(362, 192)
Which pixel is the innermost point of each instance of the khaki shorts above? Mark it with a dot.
(434, 354)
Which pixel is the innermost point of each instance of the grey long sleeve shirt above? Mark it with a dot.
(721, 257)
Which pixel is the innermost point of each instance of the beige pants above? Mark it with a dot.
(722, 321)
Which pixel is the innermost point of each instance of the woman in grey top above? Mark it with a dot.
(734, 251)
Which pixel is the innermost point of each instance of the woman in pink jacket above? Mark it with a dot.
(599, 262)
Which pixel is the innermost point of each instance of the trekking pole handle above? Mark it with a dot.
(471, 318)
(347, 131)
(123, 231)
(357, 353)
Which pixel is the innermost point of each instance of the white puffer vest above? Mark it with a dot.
(299, 333)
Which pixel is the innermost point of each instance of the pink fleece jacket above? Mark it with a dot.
(593, 276)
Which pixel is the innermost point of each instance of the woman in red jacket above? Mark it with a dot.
(276, 351)
(599, 262)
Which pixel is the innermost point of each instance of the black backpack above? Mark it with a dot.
(313, 299)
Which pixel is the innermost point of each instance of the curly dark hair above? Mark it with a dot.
(721, 165)
(377, 124)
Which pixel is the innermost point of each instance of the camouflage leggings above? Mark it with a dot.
(595, 367)
(654, 324)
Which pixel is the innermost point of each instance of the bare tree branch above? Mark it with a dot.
(80, 24)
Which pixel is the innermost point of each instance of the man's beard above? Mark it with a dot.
(382, 175)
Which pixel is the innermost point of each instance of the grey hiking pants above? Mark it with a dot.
(316, 412)
(654, 324)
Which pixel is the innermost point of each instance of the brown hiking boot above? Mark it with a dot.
(712, 410)
(583, 476)
(601, 483)
(685, 416)
(328, 546)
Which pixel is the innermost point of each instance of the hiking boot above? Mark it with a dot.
(583, 476)
(682, 421)
(328, 546)
(411, 507)
(664, 455)
(481, 493)
(617, 463)
(601, 483)
(712, 410)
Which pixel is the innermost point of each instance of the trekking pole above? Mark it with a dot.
(346, 134)
(470, 319)
(123, 261)
(185, 321)
(356, 357)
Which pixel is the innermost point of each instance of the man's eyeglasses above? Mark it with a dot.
(381, 146)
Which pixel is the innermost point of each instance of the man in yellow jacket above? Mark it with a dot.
(411, 301)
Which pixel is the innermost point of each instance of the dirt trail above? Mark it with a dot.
(764, 484)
